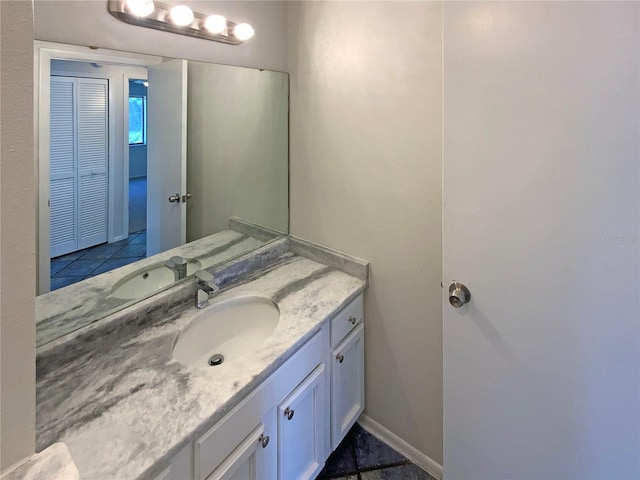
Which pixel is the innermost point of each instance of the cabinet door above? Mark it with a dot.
(180, 467)
(302, 429)
(255, 458)
(347, 384)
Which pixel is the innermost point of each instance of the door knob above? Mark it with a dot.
(459, 295)
(175, 198)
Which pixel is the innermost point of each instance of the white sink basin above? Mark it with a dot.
(145, 282)
(231, 329)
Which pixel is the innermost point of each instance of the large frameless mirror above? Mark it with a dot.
(144, 159)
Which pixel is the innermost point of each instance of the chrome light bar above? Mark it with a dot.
(160, 18)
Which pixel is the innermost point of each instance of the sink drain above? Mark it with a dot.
(216, 359)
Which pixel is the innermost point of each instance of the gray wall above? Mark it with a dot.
(137, 161)
(366, 126)
(237, 142)
(17, 235)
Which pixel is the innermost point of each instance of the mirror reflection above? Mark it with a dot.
(145, 158)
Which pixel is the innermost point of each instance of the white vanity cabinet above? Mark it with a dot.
(347, 369)
(302, 429)
(254, 458)
(280, 426)
(287, 427)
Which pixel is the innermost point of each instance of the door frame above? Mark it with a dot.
(44, 52)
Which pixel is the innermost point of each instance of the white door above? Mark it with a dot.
(166, 155)
(541, 211)
(79, 161)
(93, 161)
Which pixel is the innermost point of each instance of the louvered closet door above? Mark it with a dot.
(79, 155)
(93, 158)
(63, 173)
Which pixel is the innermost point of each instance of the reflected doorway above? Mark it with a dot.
(88, 106)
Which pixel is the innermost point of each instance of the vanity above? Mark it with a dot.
(266, 377)
(126, 407)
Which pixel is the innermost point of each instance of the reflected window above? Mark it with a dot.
(137, 120)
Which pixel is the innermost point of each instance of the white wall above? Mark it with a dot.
(88, 22)
(17, 235)
(366, 148)
(237, 148)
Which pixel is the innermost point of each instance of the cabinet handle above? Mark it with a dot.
(289, 412)
(352, 320)
(340, 357)
(264, 440)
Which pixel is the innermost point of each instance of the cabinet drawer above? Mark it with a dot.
(346, 320)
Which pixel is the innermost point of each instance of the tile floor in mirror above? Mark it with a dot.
(76, 266)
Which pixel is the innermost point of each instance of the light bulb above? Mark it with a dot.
(243, 31)
(140, 8)
(215, 24)
(182, 15)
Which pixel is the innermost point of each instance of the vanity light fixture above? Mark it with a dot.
(180, 19)
(181, 15)
(243, 31)
(140, 8)
(215, 24)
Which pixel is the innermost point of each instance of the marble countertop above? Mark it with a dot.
(124, 406)
(53, 463)
(72, 307)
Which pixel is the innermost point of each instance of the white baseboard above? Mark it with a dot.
(416, 456)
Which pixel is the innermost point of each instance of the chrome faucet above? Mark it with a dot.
(179, 267)
(206, 288)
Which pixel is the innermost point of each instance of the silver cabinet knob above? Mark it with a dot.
(264, 440)
(289, 412)
(340, 357)
(352, 320)
(459, 295)
(186, 197)
(175, 198)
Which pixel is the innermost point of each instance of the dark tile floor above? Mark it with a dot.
(76, 266)
(361, 456)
